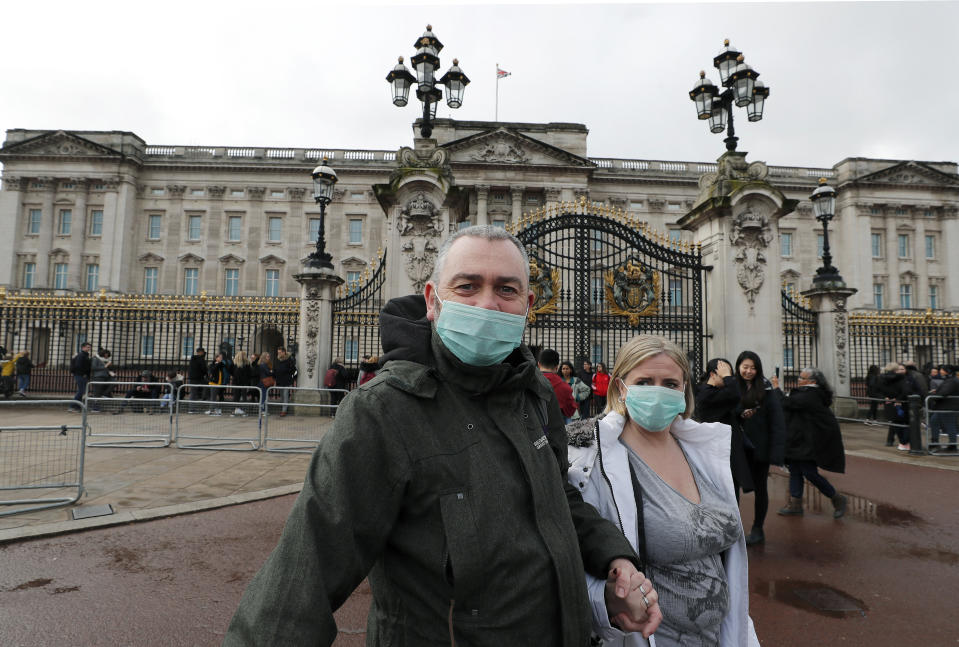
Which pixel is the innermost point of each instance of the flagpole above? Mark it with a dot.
(496, 118)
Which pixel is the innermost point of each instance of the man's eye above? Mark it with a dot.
(508, 289)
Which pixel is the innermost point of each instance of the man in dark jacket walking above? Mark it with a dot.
(284, 368)
(944, 408)
(585, 375)
(80, 367)
(442, 481)
(197, 374)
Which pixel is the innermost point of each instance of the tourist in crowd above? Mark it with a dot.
(284, 369)
(920, 384)
(170, 395)
(266, 376)
(944, 408)
(101, 376)
(24, 366)
(196, 375)
(872, 390)
(936, 376)
(600, 385)
(244, 375)
(582, 391)
(367, 369)
(764, 432)
(548, 364)
(717, 396)
(145, 389)
(80, 365)
(664, 480)
(895, 387)
(585, 375)
(8, 383)
(813, 440)
(218, 375)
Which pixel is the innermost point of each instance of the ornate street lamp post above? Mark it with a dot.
(323, 180)
(741, 88)
(824, 204)
(426, 62)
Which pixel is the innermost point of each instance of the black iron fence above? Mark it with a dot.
(800, 348)
(356, 312)
(142, 332)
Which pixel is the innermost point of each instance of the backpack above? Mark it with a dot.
(330, 380)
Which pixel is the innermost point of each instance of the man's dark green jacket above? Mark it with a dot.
(445, 484)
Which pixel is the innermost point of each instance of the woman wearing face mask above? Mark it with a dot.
(760, 417)
(665, 480)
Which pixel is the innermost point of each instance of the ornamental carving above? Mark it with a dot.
(553, 194)
(11, 183)
(501, 150)
(632, 291)
(433, 159)
(176, 190)
(296, 192)
(256, 192)
(419, 217)
(419, 264)
(216, 191)
(732, 167)
(841, 335)
(750, 236)
(312, 333)
(545, 284)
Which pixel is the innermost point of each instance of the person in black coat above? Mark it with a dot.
(197, 374)
(872, 390)
(944, 408)
(717, 396)
(764, 433)
(813, 440)
(284, 368)
(585, 375)
(896, 387)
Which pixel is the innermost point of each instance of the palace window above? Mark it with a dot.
(237, 193)
(903, 246)
(501, 224)
(275, 230)
(150, 280)
(314, 229)
(352, 281)
(876, 241)
(356, 231)
(351, 350)
(66, 222)
(197, 192)
(597, 290)
(191, 281)
(231, 286)
(93, 277)
(878, 292)
(905, 296)
(34, 221)
(930, 246)
(29, 274)
(786, 244)
(154, 222)
(60, 276)
(787, 357)
(234, 227)
(194, 227)
(675, 235)
(598, 356)
(146, 346)
(186, 347)
(934, 296)
(96, 222)
(156, 191)
(273, 283)
(277, 193)
(675, 292)
(820, 242)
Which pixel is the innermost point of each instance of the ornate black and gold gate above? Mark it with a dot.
(356, 312)
(601, 277)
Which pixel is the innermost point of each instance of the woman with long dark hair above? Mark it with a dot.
(760, 417)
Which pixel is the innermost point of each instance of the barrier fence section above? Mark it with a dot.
(942, 413)
(233, 417)
(141, 417)
(34, 458)
(296, 418)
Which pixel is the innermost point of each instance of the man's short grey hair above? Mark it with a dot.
(815, 375)
(488, 232)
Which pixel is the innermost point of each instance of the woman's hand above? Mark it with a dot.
(774, 381)
(723, 369)
(631, 601)
(748, 413)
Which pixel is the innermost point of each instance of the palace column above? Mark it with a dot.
(11, 201)
(482, 196)
(516, 196)
(317, 291)
(77, 278)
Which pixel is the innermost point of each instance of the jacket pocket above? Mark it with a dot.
(463, 565)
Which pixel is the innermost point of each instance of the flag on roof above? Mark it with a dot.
(501, 74)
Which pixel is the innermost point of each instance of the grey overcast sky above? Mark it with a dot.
(875, 79)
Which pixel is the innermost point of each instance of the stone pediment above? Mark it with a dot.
(228, 259)
(59, 144)
(914, 174)
(150, 257)
(190, 258)
(272, 259)
(503, 146)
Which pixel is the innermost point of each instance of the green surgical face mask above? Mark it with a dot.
(654, 407)
(478, 336)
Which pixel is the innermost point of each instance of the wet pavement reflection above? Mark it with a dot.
(811, 596)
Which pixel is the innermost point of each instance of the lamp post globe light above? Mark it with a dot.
(741, 88)
(426, 62)
(324, 178)
(824, 206)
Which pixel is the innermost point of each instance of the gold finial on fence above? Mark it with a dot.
(3, 293)
(203, 297)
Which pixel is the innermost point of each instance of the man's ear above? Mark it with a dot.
(429, 293)
(530, 298)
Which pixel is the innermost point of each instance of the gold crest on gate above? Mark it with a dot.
(544, 283)
(632, 291)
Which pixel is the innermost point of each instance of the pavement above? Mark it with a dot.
(146, 482)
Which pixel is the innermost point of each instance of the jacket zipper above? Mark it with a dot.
(602, 470)
(450, 624)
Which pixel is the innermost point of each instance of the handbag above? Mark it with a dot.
(581, 391)
(269, 381)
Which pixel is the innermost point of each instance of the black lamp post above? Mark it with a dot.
(426, 62)
(741, 88)
(824, 204)
(323, 180)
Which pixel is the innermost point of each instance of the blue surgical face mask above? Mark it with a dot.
(654, 407)
(478, 336)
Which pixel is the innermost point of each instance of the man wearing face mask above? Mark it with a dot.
(442, 480)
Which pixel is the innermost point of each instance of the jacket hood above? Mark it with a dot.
(405, 330)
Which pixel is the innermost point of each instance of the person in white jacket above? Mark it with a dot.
(665, 480)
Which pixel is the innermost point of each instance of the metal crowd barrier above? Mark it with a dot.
(296, 418)
(860, 409)
(141, 417)
(232, 417)
(942, 422)
(45, 458)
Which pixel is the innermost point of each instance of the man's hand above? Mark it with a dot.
(774, 381)
(724, 369)
(631, 602)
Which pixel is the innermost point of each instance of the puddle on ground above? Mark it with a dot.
(857, 507)
(32, 584)
(811, 596)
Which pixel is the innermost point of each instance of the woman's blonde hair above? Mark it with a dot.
(890, 367)
(636, 351)
(241, 359)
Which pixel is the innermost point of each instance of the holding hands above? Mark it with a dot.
(631, 601)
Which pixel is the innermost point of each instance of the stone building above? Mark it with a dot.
(97, 210)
